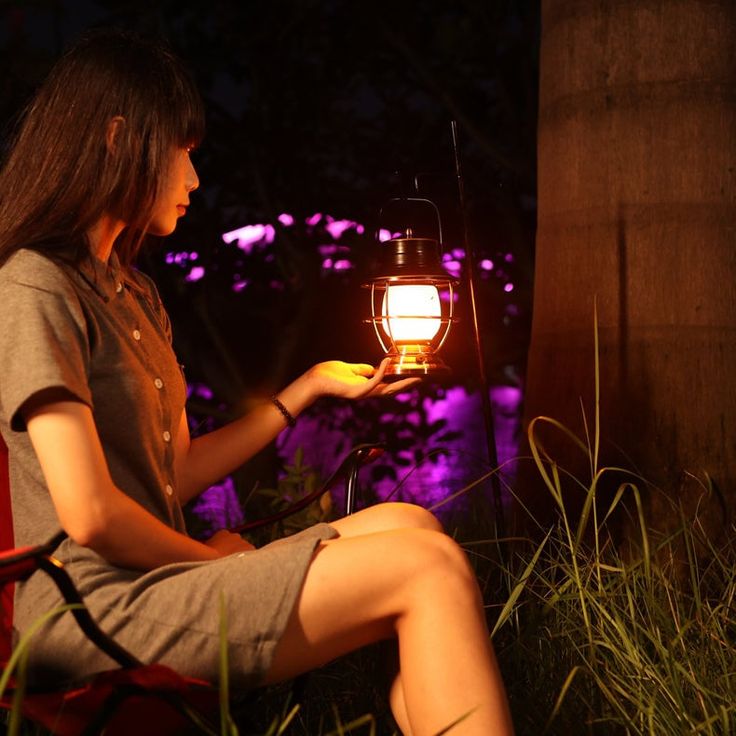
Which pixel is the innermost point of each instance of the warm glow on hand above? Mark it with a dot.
(354, 380)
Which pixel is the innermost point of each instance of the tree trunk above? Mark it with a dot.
(637, 211)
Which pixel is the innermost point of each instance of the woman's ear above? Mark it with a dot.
(114, 131)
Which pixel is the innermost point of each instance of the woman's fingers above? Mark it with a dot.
(387, 389)
(363, 369)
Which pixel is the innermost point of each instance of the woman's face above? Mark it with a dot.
(172, 204)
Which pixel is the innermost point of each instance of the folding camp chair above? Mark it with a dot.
(156, 699)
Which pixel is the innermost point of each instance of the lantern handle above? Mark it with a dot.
(414, 199)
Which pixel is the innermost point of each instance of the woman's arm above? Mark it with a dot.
(91, 509)
(203, 461)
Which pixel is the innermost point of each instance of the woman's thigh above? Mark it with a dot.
(357, 588)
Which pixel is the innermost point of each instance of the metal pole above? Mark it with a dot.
(484, 387)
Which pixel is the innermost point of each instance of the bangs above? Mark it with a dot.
(189, 130)
(184, 108)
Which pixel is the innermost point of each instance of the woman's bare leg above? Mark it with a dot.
(415, 584)
(398, 705)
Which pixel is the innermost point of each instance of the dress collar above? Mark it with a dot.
(109, 280)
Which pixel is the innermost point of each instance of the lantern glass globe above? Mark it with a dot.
(411, 312)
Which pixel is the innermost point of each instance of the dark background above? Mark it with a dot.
(328, 107)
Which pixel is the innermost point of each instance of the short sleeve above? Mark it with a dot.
(43, 335)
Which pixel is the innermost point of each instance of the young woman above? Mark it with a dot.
(92, 411)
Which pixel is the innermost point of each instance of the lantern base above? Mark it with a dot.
(408, 361)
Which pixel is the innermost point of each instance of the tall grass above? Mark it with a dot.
(605, 633)
(593, 640)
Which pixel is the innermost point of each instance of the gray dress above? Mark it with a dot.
(101, 333)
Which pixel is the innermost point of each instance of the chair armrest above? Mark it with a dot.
(20, 564)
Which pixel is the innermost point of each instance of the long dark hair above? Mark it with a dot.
(60, 177)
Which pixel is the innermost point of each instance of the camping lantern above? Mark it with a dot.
(412, 303)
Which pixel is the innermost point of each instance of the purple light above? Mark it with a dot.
(219, 506)
(195, 274)
(329, 249)
(431, 480)
(250, 235)
(458, 253)
(327, 263)
(240, 285)
(509, 258)
(201, 390)
(342, 265)
(359, 229)
(314, 219)
(286, 219)
(486, 264)
(337, 227)
(181, 258)
(384, 235)
(509, 287)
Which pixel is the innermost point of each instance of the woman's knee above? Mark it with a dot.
(409, 516)
(387, 517)
(434, 561)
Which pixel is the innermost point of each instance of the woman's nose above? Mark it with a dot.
(192, 180)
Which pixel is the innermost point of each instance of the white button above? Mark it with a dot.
(169, 490)
(167, 435)
(137, 334)
(158, 383)
(118, 287)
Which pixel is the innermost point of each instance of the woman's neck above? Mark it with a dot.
(102, 236)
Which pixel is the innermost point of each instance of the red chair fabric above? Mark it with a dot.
(141, 699)
(123, 702)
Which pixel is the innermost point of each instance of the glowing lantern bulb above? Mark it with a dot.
(411, 312)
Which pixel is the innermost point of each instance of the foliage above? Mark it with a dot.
(297, 481)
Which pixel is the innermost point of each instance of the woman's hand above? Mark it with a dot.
(227, 543)
(353, 380)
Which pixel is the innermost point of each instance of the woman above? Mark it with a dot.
(92, 410)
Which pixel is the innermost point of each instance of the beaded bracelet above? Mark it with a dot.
(287, 414)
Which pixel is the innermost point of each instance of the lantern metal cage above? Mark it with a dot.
(412, 302)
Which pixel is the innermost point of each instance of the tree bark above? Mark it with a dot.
(637, 211)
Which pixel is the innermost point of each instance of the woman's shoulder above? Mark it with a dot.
(34, 269)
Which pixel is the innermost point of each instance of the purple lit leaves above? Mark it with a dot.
(336, 257)
(435, 445)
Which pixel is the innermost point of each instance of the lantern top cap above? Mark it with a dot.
(407, 258)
